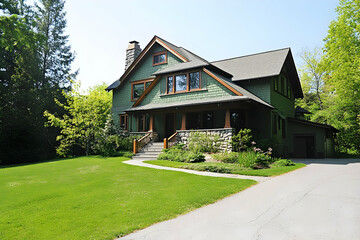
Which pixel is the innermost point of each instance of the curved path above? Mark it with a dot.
(211, 174)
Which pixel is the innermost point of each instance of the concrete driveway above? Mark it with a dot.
(320, 201)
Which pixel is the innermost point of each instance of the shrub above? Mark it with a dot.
(208, 168)
(227, 157)
(194, 157)
(262, 161)
(202, 142)
(247, 159)
(283, 163)
(241, 141)
(173, 154)
(177, 154)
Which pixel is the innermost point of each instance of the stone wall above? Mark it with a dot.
(224, 133)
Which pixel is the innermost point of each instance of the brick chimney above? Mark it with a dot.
(132, 52)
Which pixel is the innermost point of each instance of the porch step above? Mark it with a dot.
(150, 152)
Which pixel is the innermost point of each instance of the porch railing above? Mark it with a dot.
(140, 143)
(171, 141)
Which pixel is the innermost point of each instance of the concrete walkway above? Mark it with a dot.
(211, 174)
(320, 201)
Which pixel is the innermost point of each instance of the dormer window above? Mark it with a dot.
(159, 58)
(183, 82)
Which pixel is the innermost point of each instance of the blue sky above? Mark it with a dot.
(100, 30)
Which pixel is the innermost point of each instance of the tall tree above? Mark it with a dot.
(317, 94)
(19, 96)
(342, 61)
(56, 52)
(34, 68)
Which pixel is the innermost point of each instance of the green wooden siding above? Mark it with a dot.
(213, 89)
(259, 87)
(122, 96)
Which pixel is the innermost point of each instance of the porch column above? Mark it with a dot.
(227, 119)
(151, 127)
(183, 122)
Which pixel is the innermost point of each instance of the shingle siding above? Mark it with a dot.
(122, 96)
(213, 89)
(258, 87)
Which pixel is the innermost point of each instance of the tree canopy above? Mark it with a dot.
(34, 68)
(331, 79)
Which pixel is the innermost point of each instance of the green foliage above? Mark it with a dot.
(247, 159)
(109, 140)
(283, 163)
(342, 62)
(85, 118)
(241, 141)
(195, 157)
(24, 91)
(177, 154)
(204, 143)
(209, 168)
(227, 157)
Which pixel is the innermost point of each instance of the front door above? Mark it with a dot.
(169, 124)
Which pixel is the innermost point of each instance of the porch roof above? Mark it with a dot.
(155, 106)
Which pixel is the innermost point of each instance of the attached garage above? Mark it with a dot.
(310, 140)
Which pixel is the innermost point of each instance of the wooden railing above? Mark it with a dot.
(140, 143)
(171, 141)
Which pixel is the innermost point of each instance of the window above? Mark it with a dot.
(143, 122)
(124, 121)
(159, 58)
(194, 80)
(138, 87)
(183, 82)
(180, 83)
(208, 120)
(274, 124)
(283, 128)
(282, 86)
(170, 84)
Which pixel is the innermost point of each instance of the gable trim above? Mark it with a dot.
(146, 49)
(222, 82)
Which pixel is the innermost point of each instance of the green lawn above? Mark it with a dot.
(98, 198)
(233, 168)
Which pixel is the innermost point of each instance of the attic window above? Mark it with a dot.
(159, 58)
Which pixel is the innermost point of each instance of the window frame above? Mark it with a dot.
(126, 120)
(144, 81)
(157, 54)
(187, 74)
(282, 86)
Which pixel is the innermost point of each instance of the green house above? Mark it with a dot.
(167, 89)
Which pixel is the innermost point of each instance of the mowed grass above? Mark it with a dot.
(98, 198)
(233, 168)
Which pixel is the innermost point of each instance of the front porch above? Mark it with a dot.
(214, 118)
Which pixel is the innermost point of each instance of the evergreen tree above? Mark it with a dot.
(24, 91)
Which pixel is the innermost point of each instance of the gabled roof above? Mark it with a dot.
(254, 66)
(168, 46)
(262, 65)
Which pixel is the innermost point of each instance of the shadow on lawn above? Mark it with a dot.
(330, 161)
(118, 154)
